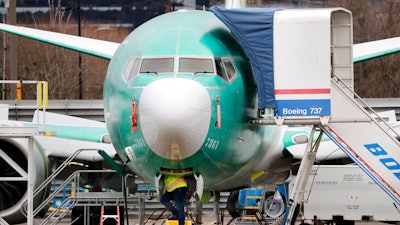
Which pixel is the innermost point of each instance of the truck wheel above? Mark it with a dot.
(271, 209)
(232, 205)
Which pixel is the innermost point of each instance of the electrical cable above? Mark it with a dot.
(125, 194)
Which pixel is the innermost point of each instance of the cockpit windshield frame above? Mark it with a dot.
(220, 66)
(225, 68)
(196, 65)
(157, 65)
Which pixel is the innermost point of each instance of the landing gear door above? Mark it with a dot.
(199, 186)
(159, 184)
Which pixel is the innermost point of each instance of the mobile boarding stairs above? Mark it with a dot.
(311, 83)
(365, 138)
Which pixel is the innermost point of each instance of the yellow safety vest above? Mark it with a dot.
(174, 182)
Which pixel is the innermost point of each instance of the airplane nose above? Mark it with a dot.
(175, 116)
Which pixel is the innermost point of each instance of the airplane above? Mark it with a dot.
(179, 94)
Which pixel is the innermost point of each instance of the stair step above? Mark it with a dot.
(251, 207)
(249, 217)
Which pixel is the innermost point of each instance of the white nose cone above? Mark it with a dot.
(175, 116)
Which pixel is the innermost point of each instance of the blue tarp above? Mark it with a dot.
(253, 28)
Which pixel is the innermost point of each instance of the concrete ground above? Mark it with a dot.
(207, 219)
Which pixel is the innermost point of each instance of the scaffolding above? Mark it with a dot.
(28, 133)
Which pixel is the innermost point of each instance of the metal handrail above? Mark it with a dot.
(337, 80)
(72, 200)
(73, 176)
(50, 178)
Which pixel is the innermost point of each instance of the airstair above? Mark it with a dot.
(370, 142)
(326, 92)
(312, 80)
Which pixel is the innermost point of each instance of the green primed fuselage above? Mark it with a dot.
(228, 150)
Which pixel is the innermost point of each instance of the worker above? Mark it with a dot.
(175, 188)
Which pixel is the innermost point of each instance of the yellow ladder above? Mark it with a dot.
(257, 216)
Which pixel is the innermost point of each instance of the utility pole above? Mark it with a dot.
(167, 5)
(3, 88)
(12, 48)
(80, 81)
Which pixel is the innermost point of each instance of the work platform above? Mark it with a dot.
(83, 203)
(24, 135)
(36, 176)
(25, 176)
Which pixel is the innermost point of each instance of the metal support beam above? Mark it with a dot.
(14, 165)
(3, 222)
(25, 176)
(217, 210)
(141, 209)
(29, 215)
(297, 195)
(22, 132)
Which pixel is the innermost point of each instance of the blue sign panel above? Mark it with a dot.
(304, 107)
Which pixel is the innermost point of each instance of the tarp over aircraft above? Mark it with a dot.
(253, 28)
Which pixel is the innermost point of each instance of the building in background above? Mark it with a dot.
(119, 12)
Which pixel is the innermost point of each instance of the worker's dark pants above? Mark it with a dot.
(178, 196)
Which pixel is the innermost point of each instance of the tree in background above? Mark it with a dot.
(373, 20)
(59, 66)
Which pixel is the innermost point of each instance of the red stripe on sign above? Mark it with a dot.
(303, 91)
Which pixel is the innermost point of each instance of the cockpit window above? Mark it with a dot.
(195, 65)
(230, 70)
(220, 67)
(131, 69)
(225, 68)
(157, 65)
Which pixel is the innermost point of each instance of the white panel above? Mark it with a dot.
(3, 112)
(302, 62)
(342, 46)
(302, 49)
(346, 191)
(366, 143)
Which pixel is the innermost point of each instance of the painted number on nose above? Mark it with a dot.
(212, 143)
(390, 163)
